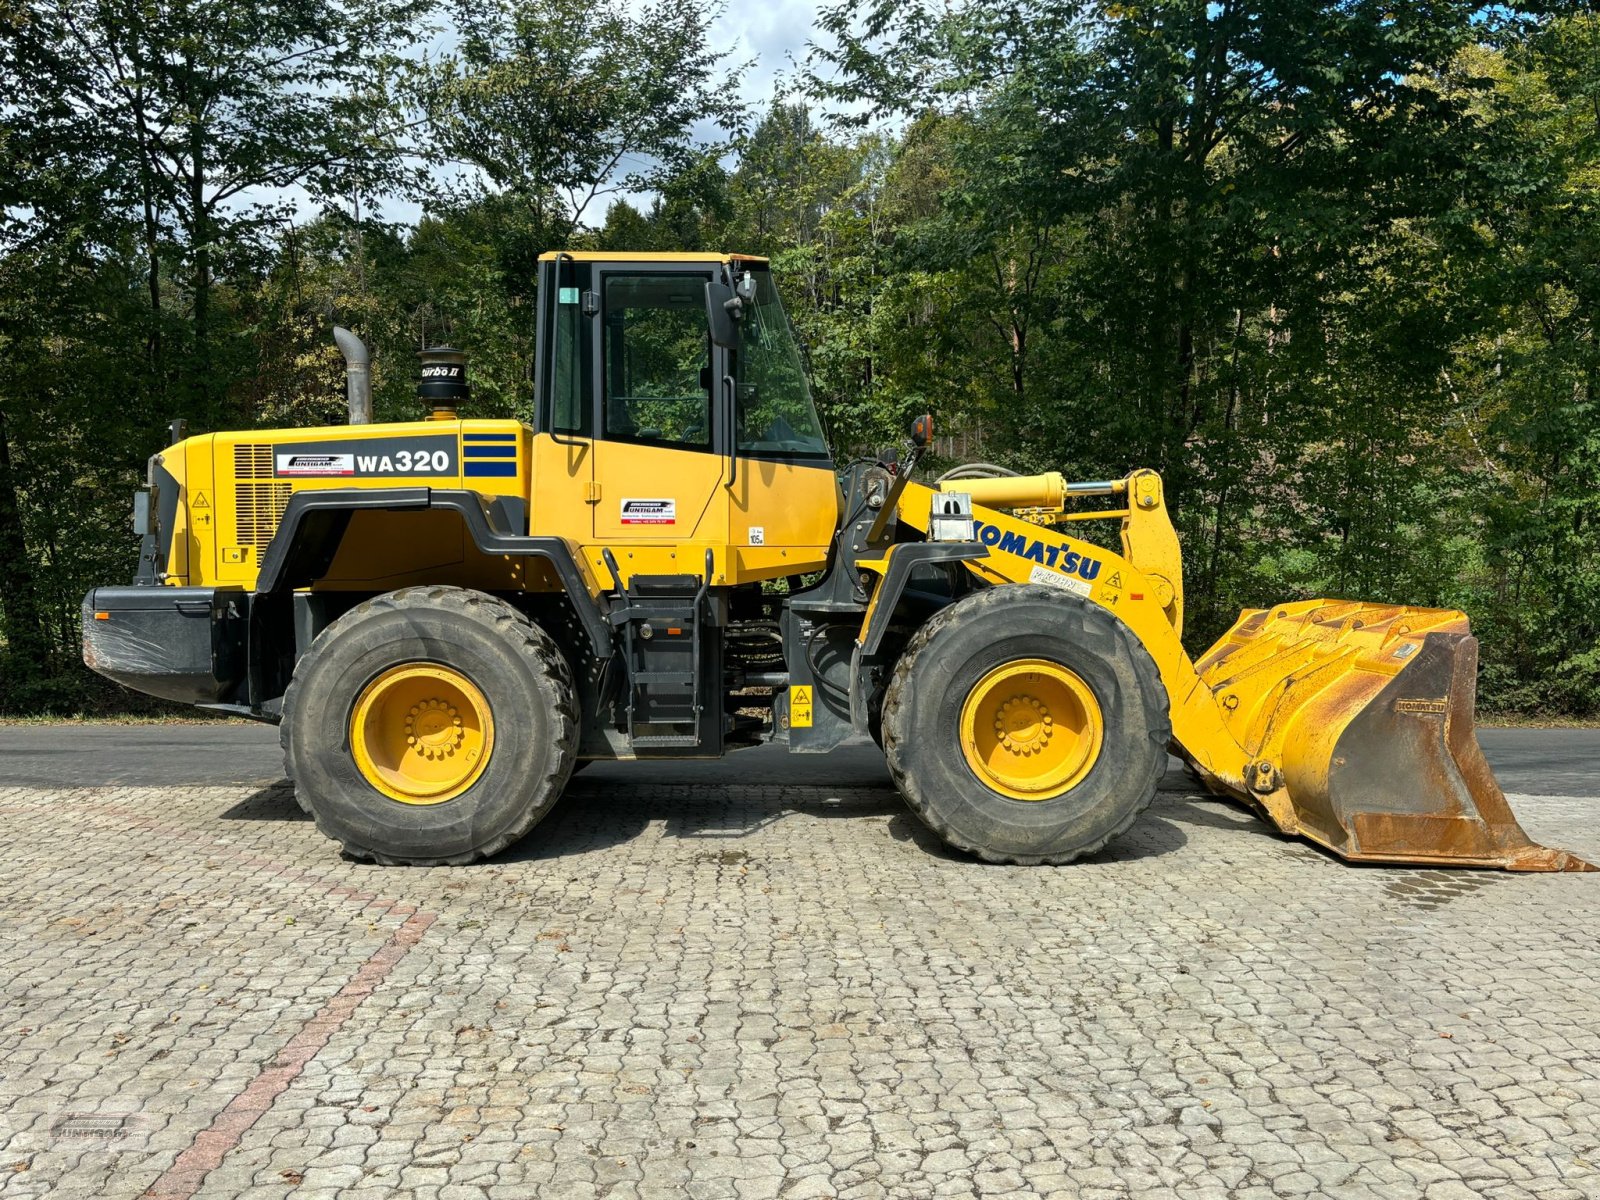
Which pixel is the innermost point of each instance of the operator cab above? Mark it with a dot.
(627, 355)
(673, 398)
(676, 444)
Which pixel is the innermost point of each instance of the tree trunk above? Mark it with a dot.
(19, 594)
(1019, 359)
(152, 228)
(200, 245)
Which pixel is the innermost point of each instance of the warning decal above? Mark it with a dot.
(800, 707)
(649, 512)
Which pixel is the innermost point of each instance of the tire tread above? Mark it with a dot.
(1094, 622)
(522, 635)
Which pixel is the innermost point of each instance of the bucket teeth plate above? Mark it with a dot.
(1358, 723)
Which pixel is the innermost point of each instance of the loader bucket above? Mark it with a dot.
(1357, 721)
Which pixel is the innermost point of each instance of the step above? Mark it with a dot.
(663, 677)
(666, 739)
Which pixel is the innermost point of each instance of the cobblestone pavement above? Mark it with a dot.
(717, 991)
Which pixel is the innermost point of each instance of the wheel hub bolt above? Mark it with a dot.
(1024, 725)
(433, 729)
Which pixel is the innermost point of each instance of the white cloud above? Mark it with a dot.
(770, 35)
(772, 32)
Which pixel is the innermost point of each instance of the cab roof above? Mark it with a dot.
(648, 256)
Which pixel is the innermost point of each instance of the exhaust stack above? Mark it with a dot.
(357, 378)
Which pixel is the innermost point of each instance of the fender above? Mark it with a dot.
(314, 523)
(903, 558)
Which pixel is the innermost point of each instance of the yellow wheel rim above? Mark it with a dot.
(1031, 729)
(421, 733)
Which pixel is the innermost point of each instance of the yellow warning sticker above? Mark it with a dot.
(200, 501)
(800, 707)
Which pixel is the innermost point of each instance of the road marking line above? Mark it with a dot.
(188, 1172)
(205, 1154)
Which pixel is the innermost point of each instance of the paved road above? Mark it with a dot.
(769, 991)
(1547, 762)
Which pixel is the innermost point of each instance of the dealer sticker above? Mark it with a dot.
(371, 458)
(649, 512)
(316, 464)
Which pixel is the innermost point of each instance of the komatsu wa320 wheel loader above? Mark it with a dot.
(448, 615)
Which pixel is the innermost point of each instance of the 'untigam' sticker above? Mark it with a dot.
(649, 512)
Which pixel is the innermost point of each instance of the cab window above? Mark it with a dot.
(774, 415)
(658, 384)
(570, 369)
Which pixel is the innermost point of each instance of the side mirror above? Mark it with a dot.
(922, 430)
(721, 309)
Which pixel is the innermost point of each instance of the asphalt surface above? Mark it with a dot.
(1545, 762)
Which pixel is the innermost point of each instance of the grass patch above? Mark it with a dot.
(127, 719)
(1517, 721)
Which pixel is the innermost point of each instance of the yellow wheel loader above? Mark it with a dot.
(447, 616)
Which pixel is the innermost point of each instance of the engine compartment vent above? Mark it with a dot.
(252, 460)
(258, 508)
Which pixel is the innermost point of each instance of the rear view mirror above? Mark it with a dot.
(141, 512)
(721, 304)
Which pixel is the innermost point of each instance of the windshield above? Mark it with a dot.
(776, 418)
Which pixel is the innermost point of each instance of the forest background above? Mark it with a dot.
(1332, 268)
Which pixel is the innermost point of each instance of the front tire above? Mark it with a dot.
(1026, 725)
(430, 726)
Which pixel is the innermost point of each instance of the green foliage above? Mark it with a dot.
(560, 102)
(1263, 250)
(1330, 266)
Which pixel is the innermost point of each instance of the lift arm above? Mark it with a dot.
(1349, 724)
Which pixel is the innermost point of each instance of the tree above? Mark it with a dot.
(147, 149)
(1533, 372)
(192, 120)
(560, 103)
(1171, 215)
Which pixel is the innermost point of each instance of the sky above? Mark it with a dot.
(772, 35)
(773, 32)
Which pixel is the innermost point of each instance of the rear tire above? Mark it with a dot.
(342, 741)
(984, 662)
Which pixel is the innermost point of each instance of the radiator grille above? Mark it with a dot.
(252, 461)
(258, 507)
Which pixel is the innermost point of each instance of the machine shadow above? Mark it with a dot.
(1151, 836)
(596, 815)
(272, 802)
(1215, 812)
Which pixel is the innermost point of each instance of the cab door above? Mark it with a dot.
(659, 462)
(563, 443)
